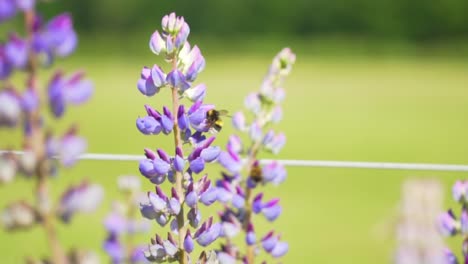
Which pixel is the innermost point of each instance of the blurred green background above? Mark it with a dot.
(374, 81)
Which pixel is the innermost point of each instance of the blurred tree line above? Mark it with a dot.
(403, 19)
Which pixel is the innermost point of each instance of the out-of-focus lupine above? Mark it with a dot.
(418, 240)
(178, 208)
(451, 225)
(123, 223)
(43, 43)
(240, 188)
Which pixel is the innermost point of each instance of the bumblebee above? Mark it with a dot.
(256, 172)
(215, 122)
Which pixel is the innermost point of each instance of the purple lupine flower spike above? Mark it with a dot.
(44, 150)
(184, 169)
(236, 191)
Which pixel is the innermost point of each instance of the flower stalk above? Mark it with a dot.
(42, 44)
(240, 182)
(179, 179)
(189, 125)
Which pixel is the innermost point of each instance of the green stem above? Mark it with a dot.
(178, 175)
(36, 142)
(250, 251)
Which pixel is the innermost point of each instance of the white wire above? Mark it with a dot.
(299, 163)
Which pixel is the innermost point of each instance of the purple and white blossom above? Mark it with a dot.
(240, 194)
(188, 125)
(24, 105)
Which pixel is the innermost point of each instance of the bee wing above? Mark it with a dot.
(224, 113)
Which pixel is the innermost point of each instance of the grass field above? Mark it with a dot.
(400, 109)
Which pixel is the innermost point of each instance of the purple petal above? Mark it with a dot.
(269, 243)
(229, 162)
(223, 195)
(157, 202)
(197, 165)
(238, 121)
(167, 124)
(191, 199)
(71, 148)
(16, 51)
(209, 196)
(280, 249)
(7, 9)
(145, 84)
(210, 154)
(158, 76)
(271, 213)
(276, 114)
(196, 93)
(115, 223)
(170, 248)
(179, 163)
(238, 201)
(459, 190)
(78, 92)
(174, 206)
(255, 132)
(161, 219)
(182, 118)
(157, 43)
(30, 100)
(188, 242)
(114, 249)
(161, 167)
(158, 179)
(250, 238)
(148, 125)
(177, 79)
(147, 211)
(194, 217)
(252, 103)
(146, 168)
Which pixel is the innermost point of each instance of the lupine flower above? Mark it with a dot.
(239, 194)
(74, 90)
(84, 198)
(71, 147)
(188, 127)
(43, 43)
(57, 37)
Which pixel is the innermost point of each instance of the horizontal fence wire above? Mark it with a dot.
(298, 163)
